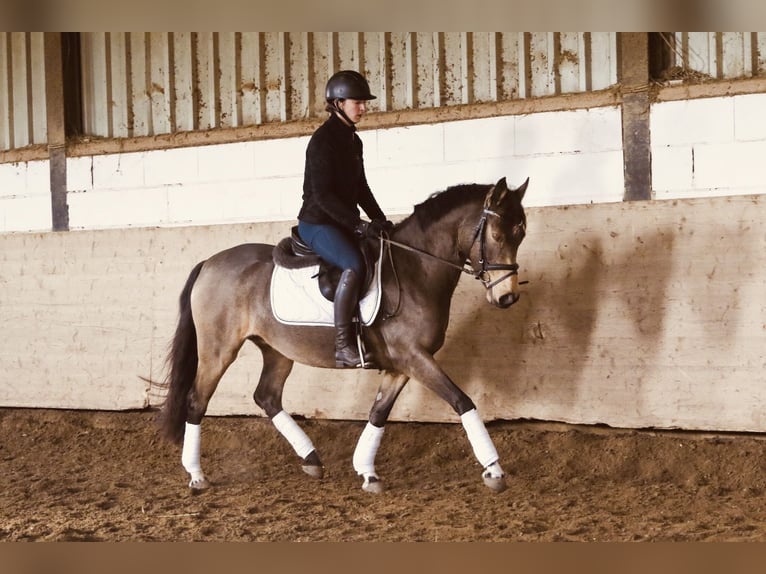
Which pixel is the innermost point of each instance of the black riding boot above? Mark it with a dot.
(346, 298)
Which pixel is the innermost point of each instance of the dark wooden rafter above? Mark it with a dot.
(636, 134)
(56, 118)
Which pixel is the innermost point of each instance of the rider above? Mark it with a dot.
(334, 187)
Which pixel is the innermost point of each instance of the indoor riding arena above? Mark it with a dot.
(624, 391)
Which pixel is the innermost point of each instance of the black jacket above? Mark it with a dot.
(334, 182)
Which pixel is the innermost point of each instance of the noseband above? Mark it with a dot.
(482, 274)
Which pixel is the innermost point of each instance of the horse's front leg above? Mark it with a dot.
(369, 441)
(424, 368)
(268, 396)
(484, 450)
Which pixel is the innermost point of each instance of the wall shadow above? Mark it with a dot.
(536, 352)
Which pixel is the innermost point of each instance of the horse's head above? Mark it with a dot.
(500, 232)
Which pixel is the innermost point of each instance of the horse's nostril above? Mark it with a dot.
(508, 299)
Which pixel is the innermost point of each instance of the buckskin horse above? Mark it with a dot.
(471, 228)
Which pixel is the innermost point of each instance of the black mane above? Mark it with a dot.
(441, 203)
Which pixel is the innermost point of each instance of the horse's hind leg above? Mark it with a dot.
(268, 396)
(209, 373)
(369, 441)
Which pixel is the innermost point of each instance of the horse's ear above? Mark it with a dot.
(496, 194)
(522, 189)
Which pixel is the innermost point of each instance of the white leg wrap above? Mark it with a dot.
(366, 450)
(483, 447)
(190, 456)
(294, 434)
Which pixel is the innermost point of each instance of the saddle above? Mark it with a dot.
(292, 253)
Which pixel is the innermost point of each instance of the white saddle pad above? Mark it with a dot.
(296, 299)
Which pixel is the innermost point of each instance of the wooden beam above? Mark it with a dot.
(636, 136)
(54, 101)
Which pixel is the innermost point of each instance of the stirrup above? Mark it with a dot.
(365, 358)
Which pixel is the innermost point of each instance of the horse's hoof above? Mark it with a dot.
(313, 470)
(312, 465)
(199, 485)
(495, 483)
(373, 485)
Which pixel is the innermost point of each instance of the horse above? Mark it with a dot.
(467, 228)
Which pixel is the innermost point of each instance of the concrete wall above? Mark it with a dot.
(648, 314)
(641, 314)
(709, 146)
(25, 196)
(700, 148)
(571, 157)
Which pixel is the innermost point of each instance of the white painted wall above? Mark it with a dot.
(709, 147)
(700, 148)
(571, 157)
(25, 198)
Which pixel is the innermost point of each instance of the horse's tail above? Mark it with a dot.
(181, 365)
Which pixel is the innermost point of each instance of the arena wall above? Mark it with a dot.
(572, 157)
(639, 314)
(704, 147)
(642, 314)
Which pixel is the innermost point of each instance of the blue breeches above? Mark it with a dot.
(333, 245)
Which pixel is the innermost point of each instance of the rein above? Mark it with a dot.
(481, 274)
(512, 268)
(427, 254)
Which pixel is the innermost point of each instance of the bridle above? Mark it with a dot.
(482, 274)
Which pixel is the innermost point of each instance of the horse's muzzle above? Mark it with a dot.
(507, 300)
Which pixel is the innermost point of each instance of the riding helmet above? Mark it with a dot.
(348, 84)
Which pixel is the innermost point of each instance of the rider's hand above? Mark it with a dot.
(379, 226)
(362, 228)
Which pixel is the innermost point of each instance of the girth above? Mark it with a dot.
(292, 253)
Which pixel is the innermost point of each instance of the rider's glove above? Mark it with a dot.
(362, 228)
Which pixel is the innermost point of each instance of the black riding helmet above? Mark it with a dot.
(347, 84)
